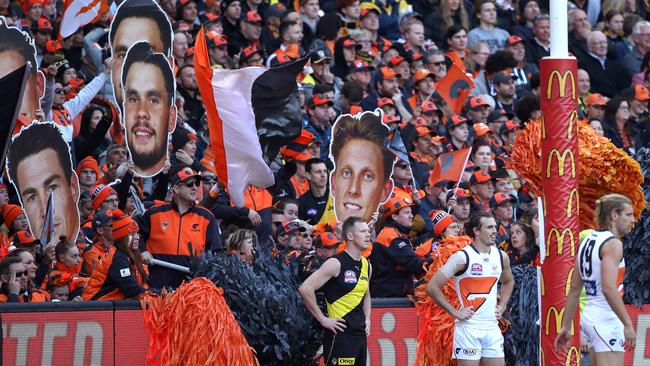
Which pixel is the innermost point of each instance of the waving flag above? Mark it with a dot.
(455, 87)
(396, 146)
(10, 105)
(77, 13)
(450, 165)
(252, 112)
(48, 224)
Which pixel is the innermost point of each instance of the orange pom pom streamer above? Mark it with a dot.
(602, 168)
(436, 335)
(194, 326)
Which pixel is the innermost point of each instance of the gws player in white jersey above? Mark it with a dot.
(476, 269)
(600, 264)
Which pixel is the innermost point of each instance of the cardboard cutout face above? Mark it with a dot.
(19, 49)
(363, 165)
(137, 20)
(148, 110)
(39, 162)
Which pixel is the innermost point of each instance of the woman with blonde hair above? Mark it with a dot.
(243, 243)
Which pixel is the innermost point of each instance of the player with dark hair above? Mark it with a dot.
(38, 162)
(148, 108)
(16, 49)
(476, 269)
(137, 20)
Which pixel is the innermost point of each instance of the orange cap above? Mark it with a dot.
(421, 75)
(123, 225)
(421, 122)
(385, 101)
(398, 201)
(596, 99)
(428, 106)
(641, 93)
(10, 213)
(423, 131)
(386, 73)
(440, 220)
(482, 129)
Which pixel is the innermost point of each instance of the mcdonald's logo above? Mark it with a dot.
(573, 197)
(567, 284)
(541, 282)
(573, 124)
(559, 238)
(561, 160)
(543, 126)
(562, 79)
(573, 351)
(558, 320)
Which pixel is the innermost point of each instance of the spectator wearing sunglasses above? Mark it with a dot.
(64, 112)
(175, 231)
(31, 293)
(12, 272)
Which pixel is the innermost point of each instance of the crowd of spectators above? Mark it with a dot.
(382, 54)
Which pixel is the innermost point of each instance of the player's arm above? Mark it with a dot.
(507, 283)
(563, 338)
(367, 302)
(454, 264)
(612, 253)
(328, 270)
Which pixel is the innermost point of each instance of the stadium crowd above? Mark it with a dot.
(382, 54)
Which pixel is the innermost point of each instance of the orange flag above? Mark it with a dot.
(450, 166)
(455, 88)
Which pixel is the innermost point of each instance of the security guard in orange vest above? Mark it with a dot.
(175, 231)
(120, 275)
(393, 259)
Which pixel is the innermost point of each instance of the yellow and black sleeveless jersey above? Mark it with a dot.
(344, 293)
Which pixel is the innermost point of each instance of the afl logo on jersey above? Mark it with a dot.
(349, 277)
(476, 270)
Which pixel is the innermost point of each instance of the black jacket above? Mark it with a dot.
(394, 263)
(607, 81)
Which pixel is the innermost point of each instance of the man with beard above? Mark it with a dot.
(477, 337)
(149, 109)
(188, 88)
(504, 85)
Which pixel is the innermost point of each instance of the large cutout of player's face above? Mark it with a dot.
(39, 162)
(149, 114)
(137, 20)
(360, 181)
(16, 49)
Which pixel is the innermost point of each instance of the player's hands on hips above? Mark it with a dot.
(333, 324)
(630, 337)
(584, 346)
(563, 339)
(464, 313)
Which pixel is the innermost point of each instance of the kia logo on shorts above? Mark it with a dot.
(469, 351)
